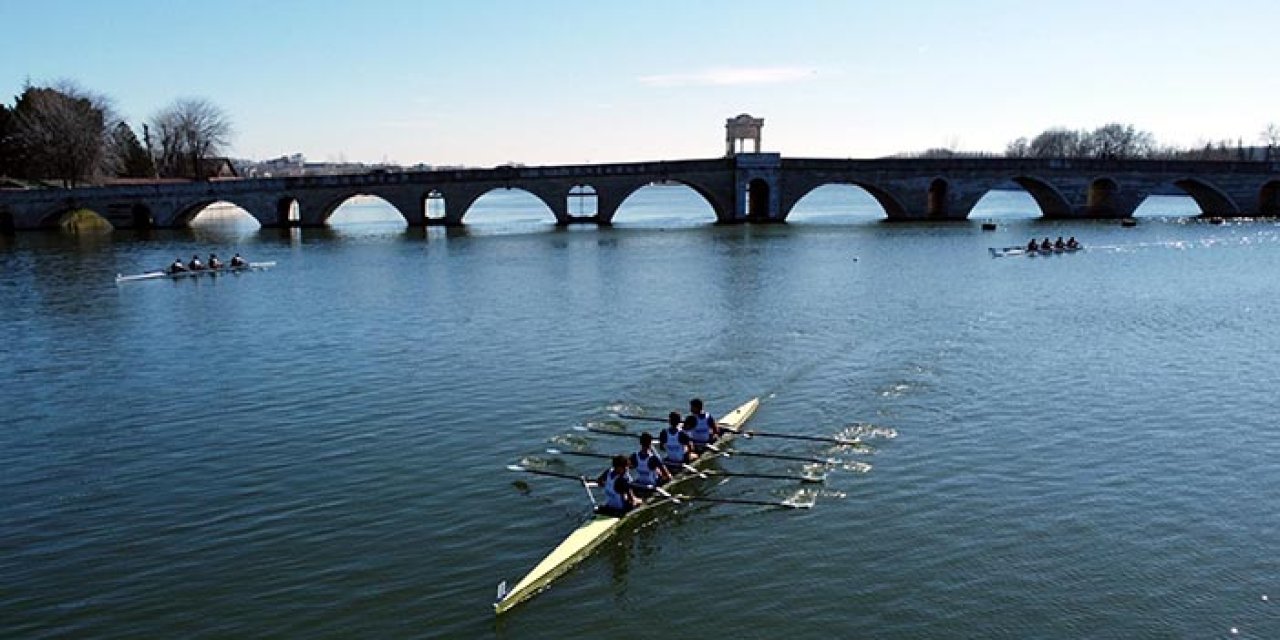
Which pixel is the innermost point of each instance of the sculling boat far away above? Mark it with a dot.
(599, 527)
(176, 275)
(1002, 252)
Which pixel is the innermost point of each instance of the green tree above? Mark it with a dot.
(132, 160)
(8, 150)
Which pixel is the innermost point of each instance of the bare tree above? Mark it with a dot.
(1270, 136)
(1056, 143)
(1019, 148)
(189, 131)
(1120, 141)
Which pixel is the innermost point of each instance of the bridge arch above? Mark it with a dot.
(836, 202)
(186, 214)
(626, 194)
(1269, 198)
(514, 195)
(330, 205)
(1051, 201)
(1211, 200)
(359, 206)
(73, 216)
(893, 207)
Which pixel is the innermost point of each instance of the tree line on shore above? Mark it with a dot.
(65, 133)
(1120, 141)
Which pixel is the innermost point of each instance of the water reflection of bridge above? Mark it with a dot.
(756, 187)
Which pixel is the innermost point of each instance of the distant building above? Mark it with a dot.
(296, 164)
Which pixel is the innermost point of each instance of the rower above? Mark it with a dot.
(648, 467)
(238, 262)
(1059, 244)
(676, 448)
(1032, 246)
(195, 264)
(1072, 243)
(177, 266)
(1046, 245)
(214, 262)
(616, 482)
(701, 426)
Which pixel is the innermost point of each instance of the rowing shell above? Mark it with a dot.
(1001, 252)
(156, 275)
(598, 528)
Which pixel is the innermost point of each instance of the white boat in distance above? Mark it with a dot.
(175, 275)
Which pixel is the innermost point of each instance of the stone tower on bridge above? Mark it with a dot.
(740, 129)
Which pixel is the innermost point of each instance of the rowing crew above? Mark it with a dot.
(178, 266)
(629, 479)
(1057, 245)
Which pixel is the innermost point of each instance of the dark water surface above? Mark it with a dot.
(1085, 444)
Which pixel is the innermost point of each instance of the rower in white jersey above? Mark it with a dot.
(676, 448)
(701, 426)
(616, 482)
(648, 467)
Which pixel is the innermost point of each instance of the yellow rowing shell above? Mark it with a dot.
(598, 528)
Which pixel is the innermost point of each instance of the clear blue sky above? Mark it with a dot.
(557, 81)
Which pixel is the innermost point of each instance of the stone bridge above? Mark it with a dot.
(756, 187)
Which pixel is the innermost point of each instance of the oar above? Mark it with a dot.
(551, 474)
(707, 473)
(731, 454)
(763, 503)
(791, 436)
(771, 476)
(581, 454)
(771, 456)
(606, 432)
(753, 433)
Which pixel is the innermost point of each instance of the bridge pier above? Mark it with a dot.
(757, 195)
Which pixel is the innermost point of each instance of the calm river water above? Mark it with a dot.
(1077, 446)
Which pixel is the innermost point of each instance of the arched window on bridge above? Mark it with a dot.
(937, 205)
(288, 212)
(141, 216)
(1101, 196)
(1269, 199)
(435, 205)
(757, 197)
(583, 202)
